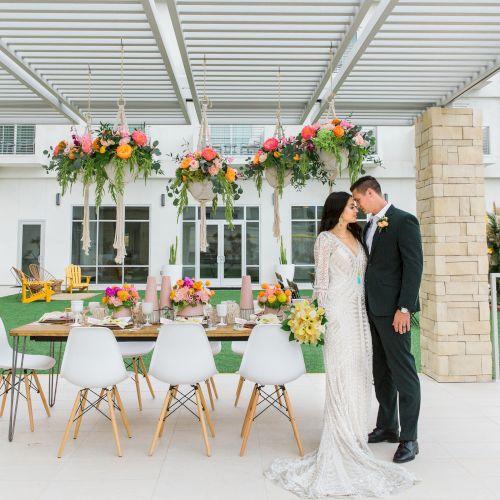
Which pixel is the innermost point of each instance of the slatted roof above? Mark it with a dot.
(391, 58)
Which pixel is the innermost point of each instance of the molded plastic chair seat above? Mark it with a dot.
(135, 349)
(216, 346)
(239, 346)
(31, 361)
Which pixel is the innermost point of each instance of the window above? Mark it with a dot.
(100, 263)
(17, 139)
(486, 140)
(236, 139)
(305, 226)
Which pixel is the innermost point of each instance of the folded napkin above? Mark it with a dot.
(54, 315)
(191, 319)
(120, 322)
(243, 322)
(269, 319)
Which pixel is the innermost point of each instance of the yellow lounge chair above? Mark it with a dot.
(32, 289)
(75, 280)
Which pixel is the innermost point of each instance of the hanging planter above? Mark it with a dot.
(206, 175)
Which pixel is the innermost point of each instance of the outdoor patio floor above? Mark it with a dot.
(459, 442)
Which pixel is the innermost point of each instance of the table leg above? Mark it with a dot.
(54, 371)
(16, 383)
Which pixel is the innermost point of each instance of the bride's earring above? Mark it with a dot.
(341, 221)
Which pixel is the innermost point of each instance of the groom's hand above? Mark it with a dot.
(401, 323)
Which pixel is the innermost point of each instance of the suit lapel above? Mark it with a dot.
(378, 232)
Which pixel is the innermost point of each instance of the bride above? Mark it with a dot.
(343, 464)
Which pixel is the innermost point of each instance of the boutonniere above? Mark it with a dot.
(383, 223)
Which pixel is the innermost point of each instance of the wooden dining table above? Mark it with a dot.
(56, 334)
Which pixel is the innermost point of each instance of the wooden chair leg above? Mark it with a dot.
(113, 423)
(279, 395)
(146, 376)
(68, 425)
(292, 421)
(101, 394)
(210, 394)
(250, 403)
(137, 385)
(238, 390)
(28, 400)
(214, 388)
(80, 413)
(171, 396)
(160, 424)
(42, 394)
(207, 413)
(122, 411)
(4, 397)
(202, 421)
(251, 416)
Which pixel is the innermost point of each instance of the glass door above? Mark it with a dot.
(209, 260)
(30, 245)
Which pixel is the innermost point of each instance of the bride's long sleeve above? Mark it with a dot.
(322, 249)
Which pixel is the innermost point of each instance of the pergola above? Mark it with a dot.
(392, 59)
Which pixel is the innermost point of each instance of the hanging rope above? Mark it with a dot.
(121, 127)
(86, 186)
(204, 135)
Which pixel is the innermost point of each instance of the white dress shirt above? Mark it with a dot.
(373, 226)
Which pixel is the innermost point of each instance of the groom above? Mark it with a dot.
(392, 281)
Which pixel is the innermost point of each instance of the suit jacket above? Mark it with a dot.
(395, 265)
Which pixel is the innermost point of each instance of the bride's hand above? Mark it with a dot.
(401, 323)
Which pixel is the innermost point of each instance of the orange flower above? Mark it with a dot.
(338, 131)
(184, 178)
(336, 121)
(264, 285)
(124, 151)
(185, 162)
(126, 285)
(207, 283)
(123, 295)
(230, 174)
(71, 155)
(180, 283)
(276, 154)
(96, 144)
(296, 157)
(288, 292)
(256, 159)
(104, 300)
(262, 293)
(197, 285)
(172, 294)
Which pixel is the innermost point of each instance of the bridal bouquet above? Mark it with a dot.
(306, 322)
(273, 296)
(188, 292)
(120, 297)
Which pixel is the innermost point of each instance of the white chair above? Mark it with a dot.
(216, 346)
(31, 364)
(182, 356)
(92, 360)
(135, 351)
(270, 359)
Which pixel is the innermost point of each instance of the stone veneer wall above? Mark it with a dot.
(455, 317)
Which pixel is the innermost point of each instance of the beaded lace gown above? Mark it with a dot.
(343, 464)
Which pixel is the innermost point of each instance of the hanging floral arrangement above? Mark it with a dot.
(339, 144)
(206, 175)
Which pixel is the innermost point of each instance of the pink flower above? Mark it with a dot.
(358, 139)
(123, 133)
(345, 124)
(209, 154)
(213, 170)
(308, 132)
(328, 126)
(270, 144)
(263, 299)
(140, 138)
(124, 140)
(194, 165)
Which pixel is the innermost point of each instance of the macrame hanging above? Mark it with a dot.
(330, 162)
(271, 173)
(86, 184)
(122, 127)
(202, 191)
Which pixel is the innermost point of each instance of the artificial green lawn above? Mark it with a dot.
(13, 314)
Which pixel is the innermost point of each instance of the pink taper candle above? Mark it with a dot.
(151, 295)
(166, 288)
(246, 298)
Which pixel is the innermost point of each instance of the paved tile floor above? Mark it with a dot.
(459, 441)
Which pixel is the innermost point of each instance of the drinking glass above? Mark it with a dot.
(76, 309)
(147, 309)
(93, 305)
(208, 312)
(222, 312)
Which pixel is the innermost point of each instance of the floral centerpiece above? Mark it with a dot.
(189, 296)
(209, 170)
(343, 141)
(120, 299)
(273, 296)
(306, 322)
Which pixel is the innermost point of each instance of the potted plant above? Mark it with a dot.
(120, 299)
(189, 296)
(273, 298)
(173, 269)
(493, 242)
(286, 270)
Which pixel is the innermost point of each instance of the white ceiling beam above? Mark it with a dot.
(471, 82)
(339, 52)
(22, 73)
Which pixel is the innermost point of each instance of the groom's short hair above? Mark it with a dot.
(365, 183)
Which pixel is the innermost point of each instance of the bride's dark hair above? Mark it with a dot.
(332, 210)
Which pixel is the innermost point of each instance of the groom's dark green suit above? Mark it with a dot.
(392, 281)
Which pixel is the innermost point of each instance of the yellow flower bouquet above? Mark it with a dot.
(306, 322)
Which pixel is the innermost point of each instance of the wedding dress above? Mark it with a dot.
(343, 463)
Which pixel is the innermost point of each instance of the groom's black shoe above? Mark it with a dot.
(407, 451)
(381, 435)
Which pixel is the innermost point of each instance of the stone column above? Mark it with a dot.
(455, 317)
